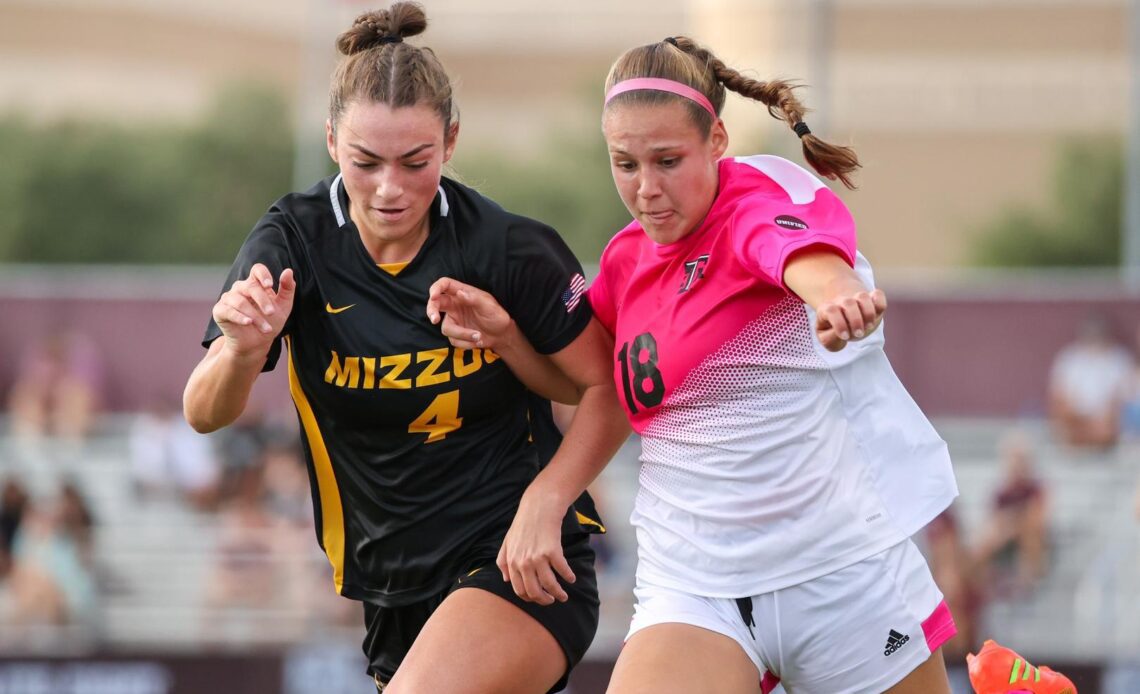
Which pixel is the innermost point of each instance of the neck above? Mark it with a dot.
(384, 249)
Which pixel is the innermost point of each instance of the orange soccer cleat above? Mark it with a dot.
(998, 670)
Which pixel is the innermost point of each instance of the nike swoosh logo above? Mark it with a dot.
(330, 309)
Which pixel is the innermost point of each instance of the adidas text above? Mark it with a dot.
(895, 641)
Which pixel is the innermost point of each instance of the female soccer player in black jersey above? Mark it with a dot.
(418, 451)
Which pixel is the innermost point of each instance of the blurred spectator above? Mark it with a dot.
(243, 576)
(301, 575)
(58, 389)
(1130, 411)
(266, 558)
(239, 447)
(13, 502)
(951, 566)
(49, 582)
(1013, 543)
(286, 483)
(167, 455)
(76, 521)
(1087, 387)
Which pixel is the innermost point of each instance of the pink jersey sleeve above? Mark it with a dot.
(602, 302)
(766, 232)
(600, 293)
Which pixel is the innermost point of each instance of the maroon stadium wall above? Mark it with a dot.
(967, 349)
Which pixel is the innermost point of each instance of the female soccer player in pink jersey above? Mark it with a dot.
(784, 467)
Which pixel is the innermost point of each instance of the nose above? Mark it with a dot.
(648, 185)
(388, 185)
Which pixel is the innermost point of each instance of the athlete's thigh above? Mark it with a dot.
(478, 643)
(928, 678)
(674, 657)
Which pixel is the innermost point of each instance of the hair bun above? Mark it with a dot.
(381, 27)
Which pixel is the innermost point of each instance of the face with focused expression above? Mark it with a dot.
(391, 161)
(664, 170)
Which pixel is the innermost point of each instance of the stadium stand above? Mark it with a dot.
(154, 558)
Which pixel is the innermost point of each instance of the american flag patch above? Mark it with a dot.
(573, 293)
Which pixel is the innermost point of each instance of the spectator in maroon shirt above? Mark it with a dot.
(1013, 550)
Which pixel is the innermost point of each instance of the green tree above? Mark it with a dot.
(83, 192)
(1082, 227)
(568, 186)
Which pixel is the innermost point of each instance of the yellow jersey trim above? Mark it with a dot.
(586, 520)
(332, 514)
(393, 269)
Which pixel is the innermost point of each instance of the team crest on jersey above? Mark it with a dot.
(694, 270)
(789, 222)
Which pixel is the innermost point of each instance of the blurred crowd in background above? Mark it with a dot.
(247, 488)
(171, 126)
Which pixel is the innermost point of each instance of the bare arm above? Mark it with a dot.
(532, 550)
(219, 387)
(473, 319)
(846, 309)
(250, 315)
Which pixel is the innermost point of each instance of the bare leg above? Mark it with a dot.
(668, 658)
(928, 678)
(478, 643)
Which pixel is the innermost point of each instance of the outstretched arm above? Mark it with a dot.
(250, 315)
(472, 319)
(845, 308)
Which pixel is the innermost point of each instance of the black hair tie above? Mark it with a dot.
(672, 41)
(801, 129)
(389, 38)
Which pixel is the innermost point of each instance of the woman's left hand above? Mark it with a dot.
(472, 318)
(849, 317)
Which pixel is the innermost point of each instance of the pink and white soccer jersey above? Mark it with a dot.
(766, 460)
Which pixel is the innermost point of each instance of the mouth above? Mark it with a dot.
(389, 214)
(658, 217)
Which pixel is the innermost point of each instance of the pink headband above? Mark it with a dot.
(661, 85)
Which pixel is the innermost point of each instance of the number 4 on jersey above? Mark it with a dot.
(641, 379)
(440, 418)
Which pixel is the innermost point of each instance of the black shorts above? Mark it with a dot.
(391, 630)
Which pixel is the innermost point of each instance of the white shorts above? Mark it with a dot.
(860, 629)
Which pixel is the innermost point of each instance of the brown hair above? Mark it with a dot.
(381, 68)
(682, 60)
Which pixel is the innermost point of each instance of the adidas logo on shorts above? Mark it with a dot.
(895, 641)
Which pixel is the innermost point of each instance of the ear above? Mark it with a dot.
(449, 139)
(330, 139)
(718, 137)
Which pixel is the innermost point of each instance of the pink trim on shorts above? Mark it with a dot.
(939, 627)
(768, 682)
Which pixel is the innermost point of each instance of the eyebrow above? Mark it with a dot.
(405, 155)
(662, 148)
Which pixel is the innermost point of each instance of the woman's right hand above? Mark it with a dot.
(471, 317)
(251, 314)
(531, 558)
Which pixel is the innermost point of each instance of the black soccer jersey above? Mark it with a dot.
(418, 452)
